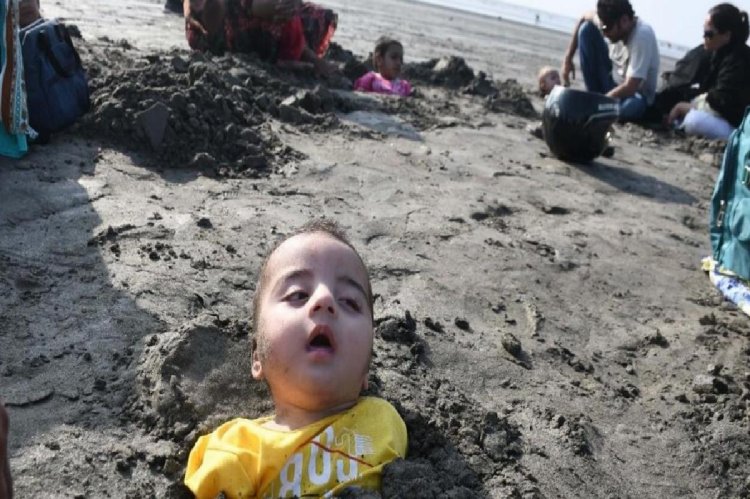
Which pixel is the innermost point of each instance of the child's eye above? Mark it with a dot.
(352, 304)
(296, 296)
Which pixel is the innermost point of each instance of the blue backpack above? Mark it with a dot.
(56, 85)
(730, 205)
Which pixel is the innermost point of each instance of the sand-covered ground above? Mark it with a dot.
(543, 327)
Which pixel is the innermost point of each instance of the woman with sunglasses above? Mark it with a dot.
(725, 91)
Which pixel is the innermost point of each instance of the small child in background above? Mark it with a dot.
(387, 58)
(548, 77)
(314, 334)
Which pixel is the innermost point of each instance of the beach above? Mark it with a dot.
(544, 328)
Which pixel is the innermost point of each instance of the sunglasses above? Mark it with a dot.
(708, 34)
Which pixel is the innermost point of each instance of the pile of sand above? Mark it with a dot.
(213, 113)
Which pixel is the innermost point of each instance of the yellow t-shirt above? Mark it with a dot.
(243, 459)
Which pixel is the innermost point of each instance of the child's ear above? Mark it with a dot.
(256, 368)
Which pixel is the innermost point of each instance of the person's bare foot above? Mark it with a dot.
(6, 485)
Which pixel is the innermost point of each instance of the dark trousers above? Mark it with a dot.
(596, 67)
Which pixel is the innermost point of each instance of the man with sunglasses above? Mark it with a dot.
(625, 65)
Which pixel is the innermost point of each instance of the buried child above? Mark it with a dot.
(314, 336)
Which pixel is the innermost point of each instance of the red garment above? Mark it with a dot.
(314, 26)
(292, 41)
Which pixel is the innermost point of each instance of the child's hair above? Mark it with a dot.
(540, 78)
(382, 46)
(322, 226)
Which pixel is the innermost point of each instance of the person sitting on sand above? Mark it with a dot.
(292, 32)
(314, 334)
(6, 484)
(548, 78)
(387, 58)
(680, 84)
(631, 50)
(724, 94)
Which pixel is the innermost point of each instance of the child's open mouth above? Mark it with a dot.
(320, 339)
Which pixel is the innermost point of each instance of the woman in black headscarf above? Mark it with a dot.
(725, 90)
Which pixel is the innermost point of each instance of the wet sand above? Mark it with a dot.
(543, 327)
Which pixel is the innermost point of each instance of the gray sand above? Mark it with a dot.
(543, 327)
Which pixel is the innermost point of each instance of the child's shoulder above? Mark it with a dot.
(376, 420)
(236, 427)
(376, 411)
(364, 82)
(374, 403)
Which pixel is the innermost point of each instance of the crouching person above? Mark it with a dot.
(625, 66)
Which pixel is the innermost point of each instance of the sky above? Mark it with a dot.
(677, 21)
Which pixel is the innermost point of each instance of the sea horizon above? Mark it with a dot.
(535, 17)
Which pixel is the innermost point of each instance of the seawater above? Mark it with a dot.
(525, 15)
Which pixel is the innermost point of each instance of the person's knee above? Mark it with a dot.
(587, 30)
(703, 124)
(632, 108)
(692, 124)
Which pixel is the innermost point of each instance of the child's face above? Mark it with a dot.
(389, 64)
(548, 81)
(315, 324)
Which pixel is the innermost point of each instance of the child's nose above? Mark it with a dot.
(323, 301)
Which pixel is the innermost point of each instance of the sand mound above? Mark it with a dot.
(453, 72)
(710, 151)
(185, 375)
(187, 109)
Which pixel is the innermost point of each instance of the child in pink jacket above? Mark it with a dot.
(388, 57)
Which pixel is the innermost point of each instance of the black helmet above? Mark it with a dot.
(575, 123)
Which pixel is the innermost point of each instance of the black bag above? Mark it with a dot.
(682, 83)
(56, 85)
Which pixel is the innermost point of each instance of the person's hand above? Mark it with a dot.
(197, 25)
(189, 7)
(568, 69)
(678, 112)
(6, 484)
